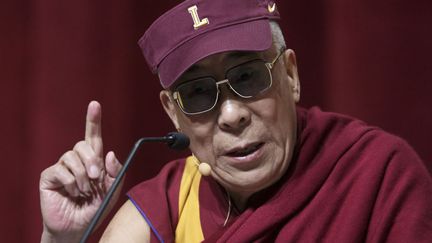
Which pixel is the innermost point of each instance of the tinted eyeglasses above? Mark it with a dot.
(247, 80)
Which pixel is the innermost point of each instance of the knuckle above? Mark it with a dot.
(79, 145)
(91, 159)
(81, 172)
(57, 169)
(69, 155)
(70, 181)
(71, 160)
(46, 172)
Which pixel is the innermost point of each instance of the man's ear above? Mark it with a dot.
(169, 107)
(291, 70)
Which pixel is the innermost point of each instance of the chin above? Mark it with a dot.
(253, 181)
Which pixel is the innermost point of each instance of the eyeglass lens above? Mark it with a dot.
(247, 80)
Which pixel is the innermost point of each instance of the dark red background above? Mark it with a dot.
(369, 59)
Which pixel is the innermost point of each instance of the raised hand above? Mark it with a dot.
(72, 189)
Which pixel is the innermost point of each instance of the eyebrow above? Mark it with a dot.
(229, 56)
(240, 54)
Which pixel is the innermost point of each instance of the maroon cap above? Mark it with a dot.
(196, 29)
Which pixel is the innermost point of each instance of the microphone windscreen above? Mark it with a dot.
(178, 141)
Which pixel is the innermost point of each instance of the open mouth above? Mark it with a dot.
(245, 151)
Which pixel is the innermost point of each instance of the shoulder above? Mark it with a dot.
(127, 226)
(338, 129)
(348, 148)
(379, 173)
(346, 139)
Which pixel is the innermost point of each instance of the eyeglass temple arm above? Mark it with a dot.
(271, 64)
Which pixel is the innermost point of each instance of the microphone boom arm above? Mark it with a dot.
(170, 139)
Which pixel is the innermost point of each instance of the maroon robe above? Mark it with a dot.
(347, 182)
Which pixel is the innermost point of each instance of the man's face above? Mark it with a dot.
(247, 142)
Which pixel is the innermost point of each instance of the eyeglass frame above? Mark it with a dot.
(269, 66)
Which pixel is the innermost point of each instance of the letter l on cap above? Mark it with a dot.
(197, 22)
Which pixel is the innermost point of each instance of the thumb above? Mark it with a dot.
(112, 166)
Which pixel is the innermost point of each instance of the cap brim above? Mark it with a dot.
(249, 36)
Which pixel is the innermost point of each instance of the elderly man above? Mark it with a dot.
(262, 169)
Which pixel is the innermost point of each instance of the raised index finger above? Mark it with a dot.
(93, 130)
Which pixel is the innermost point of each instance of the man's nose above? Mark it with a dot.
(233, 114)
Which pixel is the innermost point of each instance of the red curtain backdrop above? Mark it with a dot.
(368, 59)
